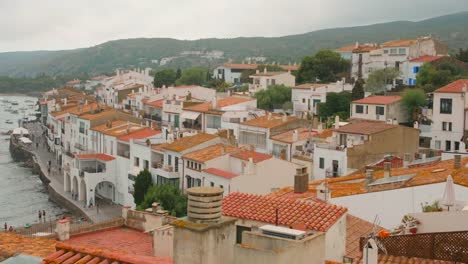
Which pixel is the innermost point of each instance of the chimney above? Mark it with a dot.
(416, 124)
(406, 159)
(320, 128)
(323, 192)
(337, 122)
(301, 180)
(284, 118)
(295, 135)
(65, 101)
(387, 169)
(265, 69)
(356, 45)
(269, 116)
(204, 204)
(370, 252)
(457, 161)
(369, 176)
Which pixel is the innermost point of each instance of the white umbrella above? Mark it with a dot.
(449, 193)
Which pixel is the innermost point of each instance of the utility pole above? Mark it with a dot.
(385, 74)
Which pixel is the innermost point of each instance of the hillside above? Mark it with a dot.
(143, 52)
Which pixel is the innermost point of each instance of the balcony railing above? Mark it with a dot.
(80, 147)
(332, 147)
(189, 125)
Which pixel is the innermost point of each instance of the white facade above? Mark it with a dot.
(261, 81)
(379, 112)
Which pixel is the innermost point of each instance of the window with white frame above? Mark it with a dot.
(213, 121)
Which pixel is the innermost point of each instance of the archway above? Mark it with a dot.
(82, 195)
(104, 192)
(75, 185)
(67, 182)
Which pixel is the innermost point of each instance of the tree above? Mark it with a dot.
(168, 196)
(376, 83)
(336, 104)
(358, 90)
(165, 77)
(412, 99)
(220, 85)
(429, 78)
(325, 65)
(178, 73)
(143, 182)
(273, 97)
(462, 55)
(193, 76)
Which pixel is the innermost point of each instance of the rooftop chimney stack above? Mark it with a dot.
(369, 176)
(204, 204)
(387, 169)
(457, 161)
(337, 122)
(370, 252)
(269, 116)
(301, 180)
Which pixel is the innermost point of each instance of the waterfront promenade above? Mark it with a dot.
(104, 210)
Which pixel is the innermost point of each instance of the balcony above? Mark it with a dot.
(191, 125)
(165, 171)
(80, 147)
(332, 147)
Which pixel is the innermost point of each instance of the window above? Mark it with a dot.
(176, 164)
(393, 51)
(277, 149)
(273, 81)
(380, 110)
(321, 163)
(457, 146)
(448, 145)
(437, 144)
(145, 164)
(213, 122)
(136, 162)
(252, 138)
(402, 50)
(212, 184)
(359, 109)
(415, 69)
(169, 160)
(303, 100)
(385, 51)
(221, 186)
(82, 127)
(445, 106)
(447, 126)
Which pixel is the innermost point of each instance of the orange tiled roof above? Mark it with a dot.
(240, 66)
(157, 103)
(307, 86)
(189, 142)
(287, 137)
(89, 254)
(74, 82)
(220, 173)
(400, 43)
(11, 244)
(389, 259)
(379, 99)
(268, 73)
(424, 174)
(264, 122)
(228, 101)
(348, 48)
(325, 134)
(80, 109)
(365, 48)
(102, 114)
(316, 216)
(365, 128)
(454, 87)
(355, 229)
(99, 156)
(122, 130)
(426, 58)
(210, 152)
(140, 134)
(113, 124)
(245, 154)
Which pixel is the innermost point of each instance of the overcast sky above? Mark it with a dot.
(66, 24)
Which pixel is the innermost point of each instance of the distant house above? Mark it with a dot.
(379, 108)
(261, 80)
(231, 72)
(410, 68)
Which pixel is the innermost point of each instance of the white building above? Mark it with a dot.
(261, 80)
(449, 120)
(410, 68)
(379, 108)
(306, 97)
(231, 72)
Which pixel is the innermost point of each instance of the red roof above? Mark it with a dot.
(316, 216)
(99, 156)
(380, 99)
(43, 102)
(220, 173)
(157, 103)
(426, 58)
(139, 134)
(256, 156)
(454, 87)
(88, 254)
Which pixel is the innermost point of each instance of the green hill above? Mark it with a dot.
(105, 57)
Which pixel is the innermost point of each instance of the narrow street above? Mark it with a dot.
(104, 209)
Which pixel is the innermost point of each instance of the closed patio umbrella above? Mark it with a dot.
(449, 193)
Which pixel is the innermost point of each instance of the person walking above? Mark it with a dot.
(40, 215)
(6, 226)
(43, 215)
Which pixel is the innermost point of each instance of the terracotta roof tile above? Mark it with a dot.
(348, 48)
(189, 142)
(454, 87)
(426, 58)
(264, 122)
(210, 152)
(381, 100)
(12, 244)
(247, 154)
(140, 134)
(121, 130)
(156, 103)
(220, 173)
(268, 73)
(325, 134)
(287, 137)
(365, 128)
(316, 216)
(228, 101)
(99, 156)
(400, 43)
(105, 127)
(355, 229)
